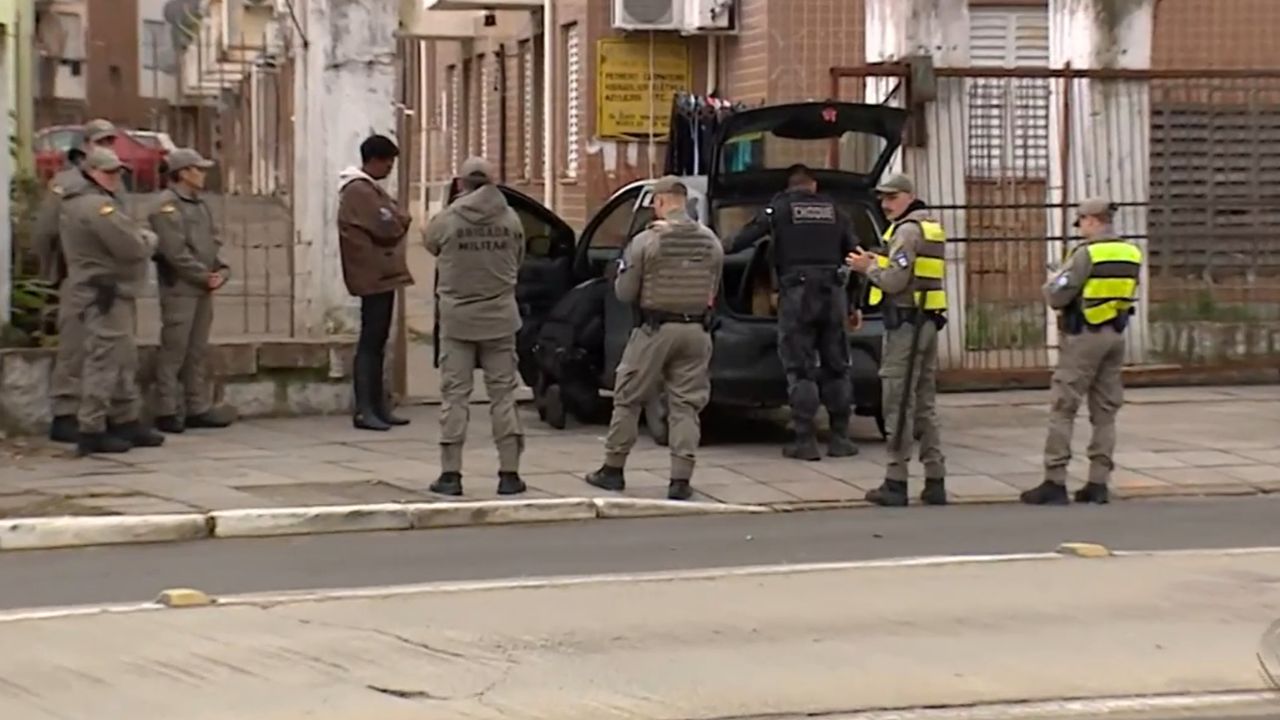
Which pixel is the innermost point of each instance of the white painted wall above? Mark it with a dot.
(68, 84)
(345, 90)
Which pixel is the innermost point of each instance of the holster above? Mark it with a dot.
(895, 317)
(105, 292)
(164, 271)
(654, 319)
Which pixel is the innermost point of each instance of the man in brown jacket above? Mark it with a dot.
(371, 232)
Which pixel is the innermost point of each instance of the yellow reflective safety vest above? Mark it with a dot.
(1112, 286)
(929, 271)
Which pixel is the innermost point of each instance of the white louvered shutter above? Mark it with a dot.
(455, 120)
(485, 94)
(573, 101)
(528, 107)
(1008, 117)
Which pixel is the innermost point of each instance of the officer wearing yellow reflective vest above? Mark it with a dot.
(910, 284)
(1094, 293)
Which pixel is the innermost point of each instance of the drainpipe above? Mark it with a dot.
(548, 104)
(501, 55)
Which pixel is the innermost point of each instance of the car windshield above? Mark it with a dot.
(150, 141)
(60, 140)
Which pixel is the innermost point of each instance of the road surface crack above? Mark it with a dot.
(478, 696)
(418, 644)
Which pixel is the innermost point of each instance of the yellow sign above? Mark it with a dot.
(635, 82)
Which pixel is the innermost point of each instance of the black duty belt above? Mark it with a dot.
(896, 316)
(662, 317)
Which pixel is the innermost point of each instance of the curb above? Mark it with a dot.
(72, 531)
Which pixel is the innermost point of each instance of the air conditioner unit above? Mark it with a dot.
(710, 16)
(649, 14)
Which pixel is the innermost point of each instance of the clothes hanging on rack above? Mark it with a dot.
(695, 123)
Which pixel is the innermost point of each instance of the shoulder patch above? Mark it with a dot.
(106, 209)
(1062, 280)
(55, 188)
(901, 260)
(168, 208)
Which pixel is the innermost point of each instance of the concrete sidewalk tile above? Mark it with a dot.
(1124, 479)
(305, 470)
(410, 449)
(650, 479)
(780, 471)
(567, 485)
(850, 470)
(1205, 458)
(360, 492)
(19, 501)
(1147, 460)
(1207, 478)
(716, 475)
(396, 468)
(744, 492)
(979, 487)
(235, 476)
(344, 454)
(96, 491)
(1019, 481)
(138, 505)
(1262, 456)
(1257, 475)
(820, 489)
(232, 452)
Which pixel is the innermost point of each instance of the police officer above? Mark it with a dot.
(189, 271)
(811, 239)
(1093, 293)
(107, 254)
(64, 386)
(910, 281)
(671, 273)
(480, 244)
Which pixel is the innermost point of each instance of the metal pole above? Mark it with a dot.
(548, 104)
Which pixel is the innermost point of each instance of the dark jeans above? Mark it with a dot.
(376, 312)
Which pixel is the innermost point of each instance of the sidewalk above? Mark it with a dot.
(715, 644)
(1176, 441)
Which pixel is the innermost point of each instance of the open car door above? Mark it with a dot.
(847, 145)
(547, 272)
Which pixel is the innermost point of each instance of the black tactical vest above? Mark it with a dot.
(807, 231)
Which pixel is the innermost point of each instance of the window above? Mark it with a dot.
(485, 95)
(614, 229)
(469, 138)
(573, 99)
(530, 109)
(156, 52)
(455, 119)
(1008, 117)
(73, 28)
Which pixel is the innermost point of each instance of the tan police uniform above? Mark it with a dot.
(479, 244)
(64, 384)
(672, 275)
(909, 285)
(187, 255)
(1094, 293)
(106, 254)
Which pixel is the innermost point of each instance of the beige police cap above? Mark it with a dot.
(1095, 206)
(478, 168)
(184, 158)
(670, 184)
(896, 183)
(103, 160)
(99, 129)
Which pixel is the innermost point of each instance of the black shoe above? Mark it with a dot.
(101, 443)
(170, 424)
(382, 403)
(449, 483)
(366, 379)
(840, 446)
(136, 434)
(1096, 493)
(608, 478)
(935, 492)
(386, 415)
(804, 447)
(65, 429)
(1046, 493)
(893, 493)
(679, 490)
(363, 421)
(509, 483)
(206, 420)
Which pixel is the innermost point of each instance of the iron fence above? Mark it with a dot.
(1192, 161)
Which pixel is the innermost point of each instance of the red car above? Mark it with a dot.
(143, 161)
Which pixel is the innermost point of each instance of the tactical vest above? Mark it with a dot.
(681, 275)
(929, 271)
(1112, 286)
(807, 232)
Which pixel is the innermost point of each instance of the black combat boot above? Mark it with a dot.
(101, 443)
(935, 492)
(136, 433)
(679, 490)
(1046, 493)
(449, 483)
(207, 420)
(65, 429)
(382, 401)
(366, 414)
(1093, 492)
(171, 424)
(805, 444)
(839, 445)
(509, 483)
(608, 478)
(893, 493)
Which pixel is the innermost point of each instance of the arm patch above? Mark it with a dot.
(106, 209)
(901, 260)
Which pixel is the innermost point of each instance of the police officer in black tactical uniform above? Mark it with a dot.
(811, 238)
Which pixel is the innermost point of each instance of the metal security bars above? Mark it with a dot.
(1191, 158)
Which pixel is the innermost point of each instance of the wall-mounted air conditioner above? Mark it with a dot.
(649, 14)
(711, 16)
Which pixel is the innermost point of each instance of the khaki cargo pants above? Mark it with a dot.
(1089, 369)
(675, 356)
(110, 374)
(182, 383)
(459, 360)
(64, 385)
(919, 400)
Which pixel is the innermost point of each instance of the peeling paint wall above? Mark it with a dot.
(346, 90)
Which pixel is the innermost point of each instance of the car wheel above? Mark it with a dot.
(655, 420)
(553, 408)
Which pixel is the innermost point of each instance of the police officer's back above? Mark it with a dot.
(811, 238)
(1094, 293)
(671, 273)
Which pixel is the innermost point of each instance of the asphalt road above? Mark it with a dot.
(222, 567)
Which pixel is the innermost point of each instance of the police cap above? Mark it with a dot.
(184, 158)
(896, 183)
(103, 160)
(99, 129)
(477, 168)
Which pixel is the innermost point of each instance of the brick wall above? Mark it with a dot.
(1199, 34)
